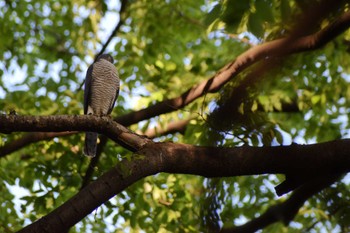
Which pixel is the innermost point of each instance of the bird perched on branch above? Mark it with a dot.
(101, 91)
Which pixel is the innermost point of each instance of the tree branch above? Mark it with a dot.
(116, 29)
(329, 157)
(103, 140)
(172, 127)
(232, 69)
(287, 210)
(114, 32)
(29, 139)
(93, 162)
(151, 158)
(62, 123)
(93, 195)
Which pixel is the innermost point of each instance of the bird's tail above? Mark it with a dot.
(90, 144)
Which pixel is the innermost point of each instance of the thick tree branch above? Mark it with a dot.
(93, 195)
(178, 126)
(317, 159)
(151, 158)
(105, 125)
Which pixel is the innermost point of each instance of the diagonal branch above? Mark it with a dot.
(114, 32)
(232, 69)
(116, 29)
(287, 210)
(93, 195)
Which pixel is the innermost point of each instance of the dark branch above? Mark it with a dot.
(272, 54)
(287, 210)
(105, 125)
(93, 195)
(94, 161)
(302, 160)
(232, 69)
(116, 29)
(318, 160)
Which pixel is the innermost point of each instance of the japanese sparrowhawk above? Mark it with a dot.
(101, 91)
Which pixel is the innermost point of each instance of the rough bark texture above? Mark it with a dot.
(318, 160)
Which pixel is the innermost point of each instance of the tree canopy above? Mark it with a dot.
(232, 116)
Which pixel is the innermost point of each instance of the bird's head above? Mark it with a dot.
(106, 57)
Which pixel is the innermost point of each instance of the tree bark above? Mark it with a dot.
(154, 157)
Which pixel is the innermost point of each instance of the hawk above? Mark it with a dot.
(101, 91)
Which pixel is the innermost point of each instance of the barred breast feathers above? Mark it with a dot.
(105, 85)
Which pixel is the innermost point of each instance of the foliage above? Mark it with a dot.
(162, 49)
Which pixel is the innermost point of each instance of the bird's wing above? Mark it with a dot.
(87, 90)
(113, 102)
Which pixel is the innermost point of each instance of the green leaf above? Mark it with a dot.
(255, 25)
(213, 15)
